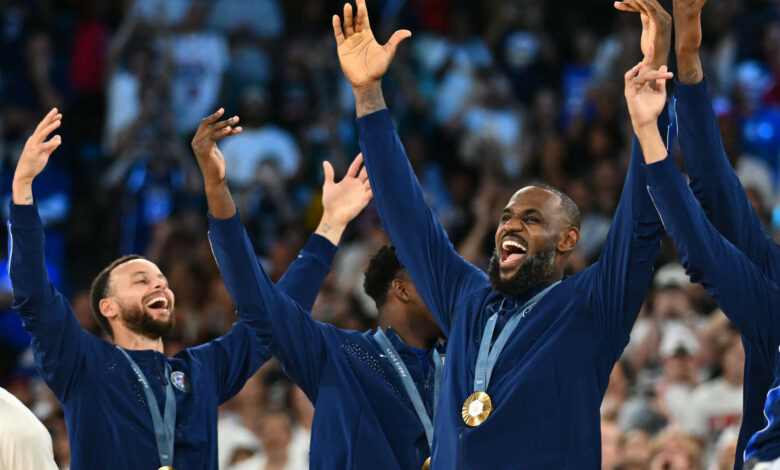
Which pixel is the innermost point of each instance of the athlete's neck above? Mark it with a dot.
(408, 335)
(127, 339)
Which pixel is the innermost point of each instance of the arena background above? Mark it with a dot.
(487, 95)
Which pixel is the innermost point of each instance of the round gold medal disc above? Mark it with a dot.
(477, 408)
(427, 464)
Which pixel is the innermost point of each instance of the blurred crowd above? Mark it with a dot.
(486, 95)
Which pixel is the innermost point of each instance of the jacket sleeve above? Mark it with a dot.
(713, 180)
(280, 325)
(442, 277)
(303, 279)
(615, 286)
(59, 344)
(747, 297)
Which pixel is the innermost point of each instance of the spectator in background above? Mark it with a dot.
(24, 442)
(678, 351)
(198, 58)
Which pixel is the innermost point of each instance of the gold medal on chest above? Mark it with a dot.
(477, 408)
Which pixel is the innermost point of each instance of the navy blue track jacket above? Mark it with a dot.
(747, 296)
(548, 383)
(716, 186)
(363, 418)
(108, 419)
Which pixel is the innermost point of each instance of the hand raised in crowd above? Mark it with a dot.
(363, 60)
(343, 201)
(656, 28)
(204, 145)
(35, 156)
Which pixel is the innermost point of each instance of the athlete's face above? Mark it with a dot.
(144, 299)
(526, 240)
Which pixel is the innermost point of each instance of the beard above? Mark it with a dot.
(138, 320)
(536, 269)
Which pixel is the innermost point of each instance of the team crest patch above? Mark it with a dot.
(179, 380)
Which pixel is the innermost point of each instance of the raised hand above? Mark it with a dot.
(344, 200)
(645, 90)
(35, 155)
(204, 145)
(363, 60)
(656, 28)
(687, 25)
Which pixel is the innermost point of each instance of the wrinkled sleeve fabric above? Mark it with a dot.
(616, 284)
(442, 277)
(280, 326)
(749, 299)
(60, 345)
(712, 179)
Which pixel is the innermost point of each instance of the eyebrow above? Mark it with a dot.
(525, 212)
(145, 273)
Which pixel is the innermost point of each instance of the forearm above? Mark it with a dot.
(652, 144)
(22, 192)
(330, 229)
(220, 201)
(304, 277)
(369, 99)
(687, 43)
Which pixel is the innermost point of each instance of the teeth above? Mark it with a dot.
(513, 244)
(158, 299)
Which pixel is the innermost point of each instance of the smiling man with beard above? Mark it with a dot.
(529, 352)
(127, 405)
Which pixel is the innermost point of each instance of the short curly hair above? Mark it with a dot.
(382, 269)
(100, 290)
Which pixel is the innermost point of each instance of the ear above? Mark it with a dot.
(568, 240)
(399, 290)
(109, 308)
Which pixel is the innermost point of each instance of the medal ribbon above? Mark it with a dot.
(414, 395)
(163, 426)
(487, 357)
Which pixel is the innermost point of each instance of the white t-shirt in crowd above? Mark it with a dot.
(246, 151)
(24, 441)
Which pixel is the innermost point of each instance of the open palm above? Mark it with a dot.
(344, 200)
(362, 58)
(37, 149)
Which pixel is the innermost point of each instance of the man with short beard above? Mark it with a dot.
(127, 405)
(529, 353)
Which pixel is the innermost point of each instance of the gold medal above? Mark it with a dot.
(477, 408)
(427, 464)
(166, 467)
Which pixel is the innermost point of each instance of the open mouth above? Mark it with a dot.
(512, 252)
(158, 303)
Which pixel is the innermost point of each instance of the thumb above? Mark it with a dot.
(329, 173)
(395, 40)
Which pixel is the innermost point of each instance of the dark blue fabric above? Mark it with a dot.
(363, 418)
(107, 417)
(718, 190)
(548, 384)
(748, 297)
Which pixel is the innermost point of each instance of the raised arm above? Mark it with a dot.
(441, 276)
(712, 179)
(58, 340)
(749, 299)
(617, 283)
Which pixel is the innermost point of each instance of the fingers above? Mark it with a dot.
(43, 133)
(659, 76)
(623, 6)
(361, 22)
(329, 173)
(349, 30)
(355, 166)
(395, 40)
(208, 120)
(363, 176)
(367, 187)
(52, 116)
(224, 132)
(227, 122)
(337, 31)
(52, 144)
